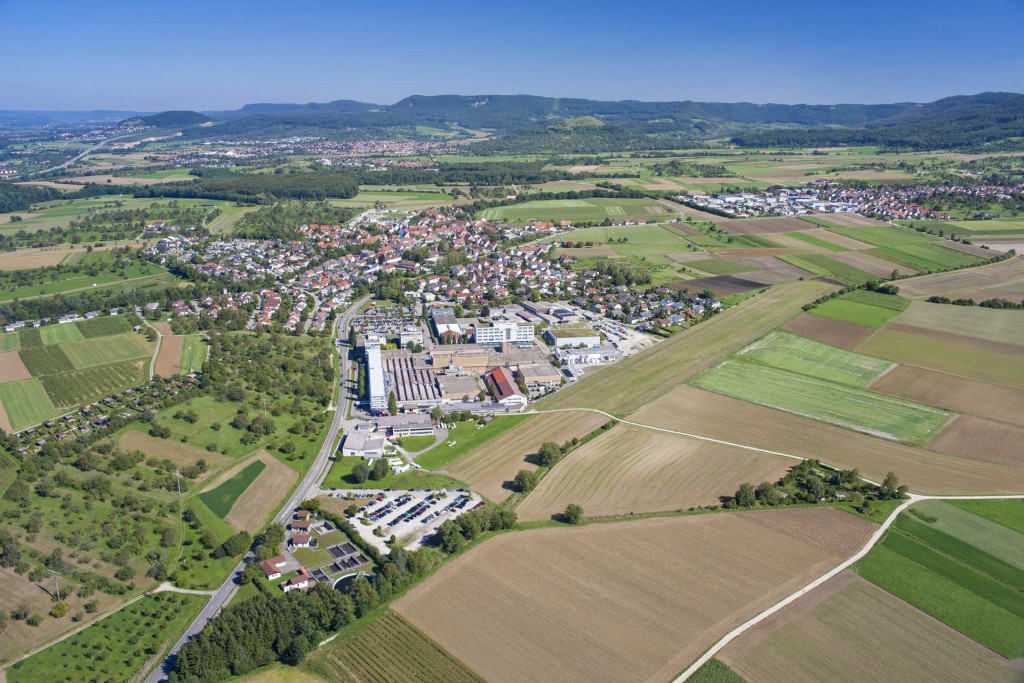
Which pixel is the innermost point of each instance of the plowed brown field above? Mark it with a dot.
(981, 439)
(168, 361)
(851, 631)
(12, 368)
(632, 601)
(701, 412)
(951, 392)
(258, 502)
(828, 330)
(630, 469)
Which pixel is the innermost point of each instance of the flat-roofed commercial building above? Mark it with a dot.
(375, 374)
(505, 332)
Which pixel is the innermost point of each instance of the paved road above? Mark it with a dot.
(82, 155)
(310, 485)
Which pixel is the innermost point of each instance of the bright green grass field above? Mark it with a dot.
(1009, 513)
(995, 226)
(220, 499)
(889, 301)
(819, 264)
(926, 256)
(340, 477)
(60, 334)
(818, 242)
(105, 350)
(25, 403)
(843, 406)
(414, 444)
(467, 438)
(716, 672)
(948, 575)
(10, 341)
(580, 210)
(104, 326)
(884, 236)
(114, 648)
(856, 313)
(719, 266)
(790, 352)
(193, 353)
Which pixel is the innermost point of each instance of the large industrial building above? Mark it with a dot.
(505, 332)
(375, 374)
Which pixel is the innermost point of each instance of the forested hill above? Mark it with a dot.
(170, 119)
(986, 122)
(584, 135)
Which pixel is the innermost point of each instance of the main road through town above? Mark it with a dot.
(310, 484)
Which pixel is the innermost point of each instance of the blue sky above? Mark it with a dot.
(218, 54)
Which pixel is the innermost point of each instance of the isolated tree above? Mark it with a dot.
(392, 404)
(436, 414)
(361, 472)
(380, 470)
(745, 496)
(549, 454)
(573, 513)
(525, 481)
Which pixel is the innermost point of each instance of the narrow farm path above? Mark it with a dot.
(166, 587)
(156, 352)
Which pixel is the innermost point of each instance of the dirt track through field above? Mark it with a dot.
(849, 631)
(711, 415)
(609, 602)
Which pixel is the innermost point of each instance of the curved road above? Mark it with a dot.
(309, 486)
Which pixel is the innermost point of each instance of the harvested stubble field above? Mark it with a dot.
(640, 379)
(838, 240)
(840, 534)
(827, 266)
(946, 355)
(990, 324)
(389, 649)
(980, 439)
(719, 417)
(847, 220)
(839, 333)
(879, 415)
(968, 248)
(181, 454)
(261, 498)
(632, 601)
(996, 275)
(721, 285)
(849, 630)
(872, 264)
(631, 469)
(487, 469)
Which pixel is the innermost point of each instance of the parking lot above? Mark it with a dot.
(626, 340)
(411, 516)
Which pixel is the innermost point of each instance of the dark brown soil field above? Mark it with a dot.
(722, 285)
(981, 439)
(952, 392)
(839, 333)
(12, 368)
(772, 270)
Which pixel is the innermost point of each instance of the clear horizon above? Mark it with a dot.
(117, 55)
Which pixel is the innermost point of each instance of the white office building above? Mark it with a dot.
(375, 374)
(505, 332)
